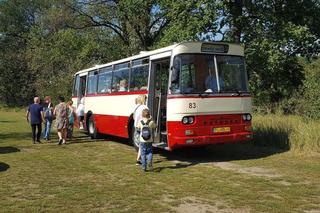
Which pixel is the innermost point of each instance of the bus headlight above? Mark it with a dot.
(188, 120)
(247, 117)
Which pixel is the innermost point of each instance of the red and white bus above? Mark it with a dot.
(197, 94)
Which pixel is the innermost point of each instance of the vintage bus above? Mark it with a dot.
(197, 94)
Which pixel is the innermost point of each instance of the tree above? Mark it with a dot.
(16, 18)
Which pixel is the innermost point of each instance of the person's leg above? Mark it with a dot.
(143, 156)
(59, 131)
(70, 131)
(149, 155)
(49, 129)
(33, 129)
(139, 155)
(39, 127)
(45, 129)
(64, 135)
(136, 138)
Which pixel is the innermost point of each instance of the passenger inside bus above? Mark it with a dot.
(123, 85)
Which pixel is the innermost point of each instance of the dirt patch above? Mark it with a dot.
(312, 211)
(256, 171)
(194, 204)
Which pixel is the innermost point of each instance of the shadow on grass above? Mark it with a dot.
(8, 149)
(266, 142)
(272, 137)
(4, 167)
(15, 136)
(6, 121)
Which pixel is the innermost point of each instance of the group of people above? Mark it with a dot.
(64, 116)
(45, 113)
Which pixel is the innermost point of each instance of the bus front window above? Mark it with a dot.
(199, 73)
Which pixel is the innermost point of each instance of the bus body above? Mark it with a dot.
(197, 94)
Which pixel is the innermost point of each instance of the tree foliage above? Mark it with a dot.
(44, 42)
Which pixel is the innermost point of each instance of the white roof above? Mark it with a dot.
(144, 54)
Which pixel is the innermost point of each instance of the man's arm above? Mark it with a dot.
(27, 115)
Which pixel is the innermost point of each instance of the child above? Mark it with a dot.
(146, 127)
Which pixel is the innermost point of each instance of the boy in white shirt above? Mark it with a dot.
(145, 128)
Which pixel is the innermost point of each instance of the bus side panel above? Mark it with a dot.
(111, 111)
(112, 125)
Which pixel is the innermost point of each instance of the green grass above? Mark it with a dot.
(100, 176)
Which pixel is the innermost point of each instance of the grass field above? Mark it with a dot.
(100, 176)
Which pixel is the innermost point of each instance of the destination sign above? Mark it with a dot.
(214, 48)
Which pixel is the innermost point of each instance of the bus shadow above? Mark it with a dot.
(4, 167)
(8, 149)
(214, 153)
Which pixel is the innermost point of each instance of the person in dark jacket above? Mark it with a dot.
(35, 117)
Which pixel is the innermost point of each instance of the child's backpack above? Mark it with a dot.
(145, 131)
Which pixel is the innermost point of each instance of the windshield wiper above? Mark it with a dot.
(237, 92)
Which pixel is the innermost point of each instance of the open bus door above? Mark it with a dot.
(157, 98)
(82, 88)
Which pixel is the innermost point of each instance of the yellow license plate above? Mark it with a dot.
(221, 129)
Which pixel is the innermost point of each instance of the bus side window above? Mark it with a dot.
(104, 80)
(92, 82)
(139, 75)
(120, 78)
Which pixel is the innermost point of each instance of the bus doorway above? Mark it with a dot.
(157, 100)
(82, 88)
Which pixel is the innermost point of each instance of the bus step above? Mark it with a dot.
(160, 145)
(164, 133)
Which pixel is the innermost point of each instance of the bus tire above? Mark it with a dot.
(132, 140)
(92, 129)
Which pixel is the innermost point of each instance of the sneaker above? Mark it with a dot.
(138, 162)
(38, 141)
(60, 142)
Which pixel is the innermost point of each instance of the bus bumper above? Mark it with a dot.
(178, 142)
(206, 131)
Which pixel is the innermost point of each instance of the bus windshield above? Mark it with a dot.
(204, 73)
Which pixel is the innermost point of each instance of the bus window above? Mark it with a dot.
(76, 86)
(104, 80)
(139, 75)
(120, 77)
(92, 82)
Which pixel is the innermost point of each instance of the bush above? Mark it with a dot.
(310, 98)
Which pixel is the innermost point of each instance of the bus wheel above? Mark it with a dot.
(133, 140)
(92, 129)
